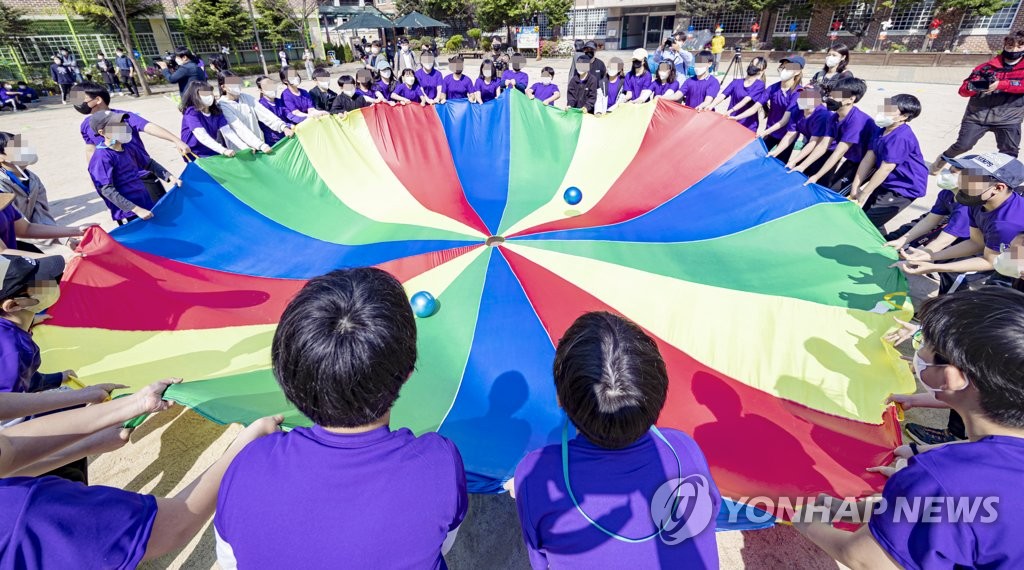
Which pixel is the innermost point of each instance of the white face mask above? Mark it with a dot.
(409, 81)
(324, 85)
(349, 92)
(206, 100)
(294, 81)
(700, 69)
(948, 180)
(23, 156)
(123, 137)
(374, 51)
(233, 89)
(805, 104)
(920, 366)
(385, 74)
(884, 121)
(428, 65)
(488, 73)
(663, 75)
(787, 74)
(1008, 266)
(545, 80)
(832, 61)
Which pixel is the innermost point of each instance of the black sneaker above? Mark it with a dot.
(925, 435)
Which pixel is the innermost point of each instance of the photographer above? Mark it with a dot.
(996, 102)
(669, 51)
(187, 69)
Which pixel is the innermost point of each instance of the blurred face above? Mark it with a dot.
(293, 78)
(206, 95)
(363, 76)
(269, 88)
(789, 70)
(348, 89)
(518, 62)
(808, 100)
(976, 183)
(582, 67)
(615, 66)
(408, 77)
(1010, 261)
(233, 86)
(487, 71)
(664, 71)
(117, 133)
(701, 65)
(891, 111)
(18, 152)
(427, 61)
(456, 66)
(324, 82)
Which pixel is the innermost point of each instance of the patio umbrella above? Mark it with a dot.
(415, 20)
(367, 21)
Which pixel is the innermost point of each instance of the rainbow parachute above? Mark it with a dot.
(768, 299)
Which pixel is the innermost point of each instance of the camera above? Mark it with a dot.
(738, 49)
(982, 79)
(669, 43)
(167, 58)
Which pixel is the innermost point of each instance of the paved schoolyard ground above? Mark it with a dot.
(174, 447)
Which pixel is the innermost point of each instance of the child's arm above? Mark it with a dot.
(811, 153)
(442, 95)
(400, 99)
(107, 439)
(881, 173)
(554, 97)
(779, 125)
(529, 93)
(922, 227)
(242, 137)
(26, 443)
(831, 163)
(23, 404)
(26, 229)
(673, 95)
(718, 100)
(785, 143)
(867, 164)
(211, 143)
(706, 103)
(162, 133)
(179, 518)
(854, 549)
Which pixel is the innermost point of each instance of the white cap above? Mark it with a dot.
(640, 53)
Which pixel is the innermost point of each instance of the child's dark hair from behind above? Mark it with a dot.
(346, 79)
(851, 87)
(907, 105)
(321, 72)
(345, 346)
(548, 71)
(610, 379)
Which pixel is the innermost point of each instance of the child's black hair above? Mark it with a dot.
(964, 330)
(190, 98)
(93, 90)
(907, 105)
(850, 86)
(671, 73)
(321, 72)
(283, 74)
(549, 70)
(259, 80)
(345, 346)
(705, 56)
(494, 69)
(223, 75)
(183, 51)
(610, 379)
(5, 139)
(346, 79)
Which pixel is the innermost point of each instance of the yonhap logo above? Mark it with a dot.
(682, 508)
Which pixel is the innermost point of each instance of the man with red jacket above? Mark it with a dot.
(996, 91)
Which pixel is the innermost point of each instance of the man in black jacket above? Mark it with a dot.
(597, 67)
(187, 72)
(583, 87)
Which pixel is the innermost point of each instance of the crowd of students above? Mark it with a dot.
(347, 343)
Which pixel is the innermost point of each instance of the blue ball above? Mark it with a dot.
(572, 196)
(423, 304)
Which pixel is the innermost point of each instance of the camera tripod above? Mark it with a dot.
(737, 72)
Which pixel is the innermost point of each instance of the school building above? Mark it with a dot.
(629, 24)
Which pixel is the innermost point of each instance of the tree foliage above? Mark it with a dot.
(443, 10)
(222, 21)
(701, 8)
(283, 20)
(556, 11)
(118, 14)
(495, 14)
(12, 23)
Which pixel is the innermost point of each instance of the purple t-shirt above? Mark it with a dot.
(458, 88)
(900, 147)
(778, 102)
(857, 129)
(8, 216)
(429, 82)
(411, 93)
(820, 123)
(191, 120)
(379, 499)
(368, 94)
(277, 108)
(543, 92)
(658, 88)
(48, 522)
(614, 487)
(695, 91)
(962, 475)
(384, 88)
(614, 88)
(737, 91)
(108, 166)
(292, 103)
(636, 84)
(488, 91)
(520, 77)
(1001, 225)
(19, 357)
(137, 123)
(959, 222)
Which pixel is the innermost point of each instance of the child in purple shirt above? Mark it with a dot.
(665, 85)
(385, 86)
(587, 502)
(297, 102)
(746, 97)
(456, 85)
(892, 173)
(429, 79)
(545, 90)
(343, 349)
(269, 99)
(701, 89)
(615, 85)
(365, 88)
(409, 90)
(952, 505)
(515, 78)
(115, 169)
(203, 125)
(855, 131)
(780, 99)
(813, 123)
(638, 80)
(487, 85)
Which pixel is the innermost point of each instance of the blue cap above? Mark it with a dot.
(794, 59)
(1002, 167)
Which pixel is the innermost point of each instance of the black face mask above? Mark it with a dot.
(968, 200)
(83, 107)
(636, 64)
(1012, 55)
(832, 105)
(589, 53)
(753, 70)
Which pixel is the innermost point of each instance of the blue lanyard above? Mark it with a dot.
(14, 178)
(568, 487)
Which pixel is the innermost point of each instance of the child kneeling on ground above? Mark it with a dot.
(373, 497)
(587, 503)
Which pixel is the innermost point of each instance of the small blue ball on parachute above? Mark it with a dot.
(423, 304)
(572, 196)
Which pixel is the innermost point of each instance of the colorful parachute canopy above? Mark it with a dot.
(768, 299)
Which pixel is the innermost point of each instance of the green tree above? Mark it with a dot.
(118, 14)
(495, 14)
(222, 21)
(556, 11)
(699, 8)
(444, 10)
(284, 19)
(12, 23)
(475, 34)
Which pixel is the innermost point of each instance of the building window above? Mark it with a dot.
(587, 23)
(797, 12)
(733, 23)
(913, 18)
(1001, 20)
